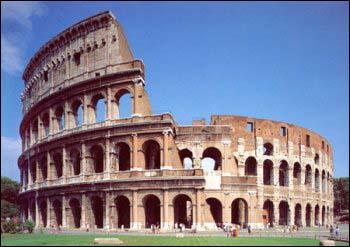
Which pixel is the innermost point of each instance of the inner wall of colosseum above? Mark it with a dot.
(84, 166)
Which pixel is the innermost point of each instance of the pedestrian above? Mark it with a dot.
(249, 230)
(331, 230)
(337, 231)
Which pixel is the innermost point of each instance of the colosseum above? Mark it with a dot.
(80, 170)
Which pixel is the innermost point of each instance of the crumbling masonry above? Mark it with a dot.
(79, 171)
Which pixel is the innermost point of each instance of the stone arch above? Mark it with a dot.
(308, 175)
(186, 157)
(46, 123)
(297, 215)
(122, 206)
(297, 173)
(317, 180)
(75, 212)
(97, 155)
(98, 212)
(151, 150)
(283, 174)
(251, 166)
(33, 171)
(35, 130)
(268, 172)
(58, 165)
(75, 162)
(151, 205)
(317, 215)
(183, 210)
(121, 105)
(32, 207)
(57, 212)
(268, 149)
(239, 212)
(284, 212)
(268, 213)
(215, 207)
(123, 156)
(308, 212)
(215, 155)
(59, 118)
(43, 213)
(43, 167)
(98, 106)
(77, 113)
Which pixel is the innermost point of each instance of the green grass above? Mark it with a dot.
(76, 239)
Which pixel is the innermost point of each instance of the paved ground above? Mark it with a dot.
(317, 233)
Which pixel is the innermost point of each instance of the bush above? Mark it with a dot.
(29, 225)
(10, 227)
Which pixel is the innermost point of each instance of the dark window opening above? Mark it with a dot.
(268, 149)
(283, 131)
(308, 140)
(77, 58)
(249, 127)
(46, 75)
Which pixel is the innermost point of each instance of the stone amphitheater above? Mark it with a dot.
(79, 171)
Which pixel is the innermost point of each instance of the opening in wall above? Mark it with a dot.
(249, 127)
(283, 131)
(308, 140)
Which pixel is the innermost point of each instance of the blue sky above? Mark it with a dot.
(283, 61)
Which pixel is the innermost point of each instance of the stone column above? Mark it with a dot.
(64, 211)
(134, 165)
(48, 212)
(83, 159)
(108, 212)
(51, 122)
(291, 214)
(108, 105)
(64, 164)
(40, 128)
(30, 181)
(85, 111)
(66, 115)
(135, 223)
(83, 211)
(49, 176)
(37, 220)
(108, 162)
(138, 86)
(199, 208)
(166, 164)
(276, 213)
(166, 220)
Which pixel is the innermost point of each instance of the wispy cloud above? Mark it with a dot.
(16, 20)
(11, 148)
(22, 12)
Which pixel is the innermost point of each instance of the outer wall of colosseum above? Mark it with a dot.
(79, 171)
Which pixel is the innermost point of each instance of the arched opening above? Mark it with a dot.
(317, 159)
(78, 113)
(215, 208)
(123, 156)
(308, 175)
(239, 212)
(297, 215)
(151, 204)
(151, 151)
(57, 209)
(317, 215)
(297, 174)
(123, 101)
(268, 209)
(99, 108)
(75, 208)
(35, 130)
(268, 172)
(97, 156)
(250, 166)
(215, 155)
(97, 211)
(46, 124)
(183, 210)
(284, 213)
(186, 157)
(57, 159)
(268, 149)
(75, 162)
(122, 205)
(308, 215)
(323, 215)
(32, 211)
(283, 173)
(323, 181)
(33, 171)
(43, 213)
(59, 114)
(317, 180)
(43, 167)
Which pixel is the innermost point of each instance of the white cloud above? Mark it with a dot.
(11, 148)
(22, 12)
(11, 56)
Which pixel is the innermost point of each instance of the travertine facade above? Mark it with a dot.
(78, 172)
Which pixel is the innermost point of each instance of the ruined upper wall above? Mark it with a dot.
(271, 131)
(93, 47)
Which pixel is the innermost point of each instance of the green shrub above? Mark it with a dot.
(10, 227)
(29, 225)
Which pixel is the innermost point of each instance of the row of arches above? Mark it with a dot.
(74, 116)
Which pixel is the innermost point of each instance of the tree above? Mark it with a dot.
(341, 195)
(9, 197)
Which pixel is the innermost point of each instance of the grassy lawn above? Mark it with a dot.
(68, 239)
